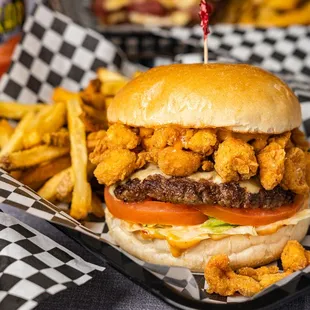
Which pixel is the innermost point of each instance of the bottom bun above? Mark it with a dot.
(251, 251)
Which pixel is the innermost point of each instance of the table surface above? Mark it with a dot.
(109, 289)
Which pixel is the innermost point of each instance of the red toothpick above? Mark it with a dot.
(205, 12)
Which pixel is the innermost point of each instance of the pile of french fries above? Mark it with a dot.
(47, 148)
(266, 13)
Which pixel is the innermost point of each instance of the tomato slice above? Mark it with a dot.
(154, 212)
(252, 217)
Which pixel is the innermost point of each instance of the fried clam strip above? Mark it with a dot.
(247, 281)
(17, 111)
(31, 157)
(16, 140)
(50, 121)
(223, 280)
(265, 276)
(34, 177)
(81, 197)
(235, 160)
(6, 131)
(256, 274)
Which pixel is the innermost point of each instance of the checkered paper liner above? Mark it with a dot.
(34, 267)
(179, 279)
(55, 51)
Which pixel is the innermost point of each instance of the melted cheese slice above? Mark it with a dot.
(253, 186)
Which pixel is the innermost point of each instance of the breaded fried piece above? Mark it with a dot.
(259, 143)
(294, 177)
(116, 165)
(177, 162)
(271, 163)
(256, 274)
(120, 136)
(207, 165)
(203, 141)
(293, 256)
(269, 279)
(94, 137)
(164, 136)
(235, 160)
(282, 139)
(223, 280)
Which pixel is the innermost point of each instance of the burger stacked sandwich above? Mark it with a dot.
(204, 159)
(147, 12)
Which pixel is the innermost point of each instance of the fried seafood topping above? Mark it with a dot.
(248, 281)
(223, 280)
(294, 256)
(294, 177)
(235, 160)
(276, 159)
(271, 163)
(175, 162)
(116, 165)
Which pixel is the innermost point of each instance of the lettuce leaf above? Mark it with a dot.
(217, 226)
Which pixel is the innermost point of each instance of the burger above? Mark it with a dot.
(204, 159)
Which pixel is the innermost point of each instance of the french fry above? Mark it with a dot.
(34, 177)
(81, 197)
(65, 187)
(298, 16)
(14, 110)
(281, 5)
(53, 118)
(58, 138)
(96, 206)
(6, 130)
(105, 75)
(110, 88)
(28, 158)
(108, 101)
(61, 94)
(16, 141)
(49, 189)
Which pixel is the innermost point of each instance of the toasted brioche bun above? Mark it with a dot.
(240, 97)
(243, 251)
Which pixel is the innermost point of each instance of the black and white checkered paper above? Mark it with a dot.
(55, 51)
(34, 267)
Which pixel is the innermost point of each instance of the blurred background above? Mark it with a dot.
(128, 23)
(262, 13)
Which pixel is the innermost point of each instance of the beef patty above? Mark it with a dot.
(186, 191)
